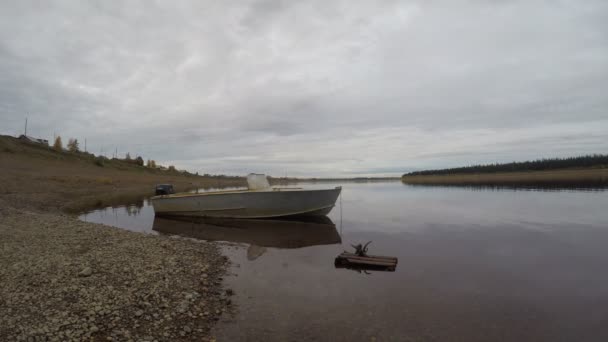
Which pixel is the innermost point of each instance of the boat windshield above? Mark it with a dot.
(257, 181)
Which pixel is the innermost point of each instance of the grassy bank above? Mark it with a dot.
(38, 177)
(554, 178)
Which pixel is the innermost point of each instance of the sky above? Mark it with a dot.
(309, 88)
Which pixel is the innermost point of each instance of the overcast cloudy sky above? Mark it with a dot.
(310, 88)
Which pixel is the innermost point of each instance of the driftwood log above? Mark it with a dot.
(361, 261)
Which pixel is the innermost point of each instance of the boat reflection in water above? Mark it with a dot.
(259, 234)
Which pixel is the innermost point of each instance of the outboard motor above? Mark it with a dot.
(164, 189)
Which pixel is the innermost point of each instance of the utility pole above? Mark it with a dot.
(85, 145)
(25, 126)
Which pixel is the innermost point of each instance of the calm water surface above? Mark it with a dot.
(474, 265)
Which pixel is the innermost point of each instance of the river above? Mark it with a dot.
(475, 264)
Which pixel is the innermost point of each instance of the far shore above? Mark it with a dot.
(566, 177)
(290, 180)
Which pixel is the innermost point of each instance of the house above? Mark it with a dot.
(30, 139)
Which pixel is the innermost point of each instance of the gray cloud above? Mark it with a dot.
(310, 88)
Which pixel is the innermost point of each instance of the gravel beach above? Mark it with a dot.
(63, 279)
(67, 280)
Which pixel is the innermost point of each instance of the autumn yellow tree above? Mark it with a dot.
(58, 145)
(73, 145)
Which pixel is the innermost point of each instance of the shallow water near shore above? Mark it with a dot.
(475, 264)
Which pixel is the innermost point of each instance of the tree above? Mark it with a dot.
(172, 168)
(58, 145)
(139, 161)
(73, 145)
(128, 156)
(596, 160)
(151, 164)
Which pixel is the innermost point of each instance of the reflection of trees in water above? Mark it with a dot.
(135, 208)
(132, 210)
(599, 185)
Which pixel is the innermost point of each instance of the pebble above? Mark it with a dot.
(139, 280)
(86, 272)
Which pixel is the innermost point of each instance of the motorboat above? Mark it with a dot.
(259, 200)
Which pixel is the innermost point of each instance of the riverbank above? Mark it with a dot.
(554, 178)
(40, 178)
(63, 279)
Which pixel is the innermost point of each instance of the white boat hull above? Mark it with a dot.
(248, 204)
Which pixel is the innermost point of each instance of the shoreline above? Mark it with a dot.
(65, 279)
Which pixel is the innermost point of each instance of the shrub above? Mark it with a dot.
(99, 161)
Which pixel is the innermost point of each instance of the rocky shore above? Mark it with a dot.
(67, 280)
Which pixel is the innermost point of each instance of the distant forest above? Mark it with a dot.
(595, 160)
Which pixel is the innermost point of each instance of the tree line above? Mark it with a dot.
(593, 160)
(74, 146)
